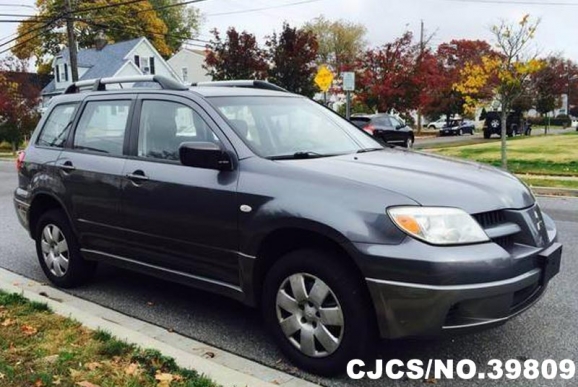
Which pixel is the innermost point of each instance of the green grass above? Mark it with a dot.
(539, 155)
(39, 348)
(550, 183)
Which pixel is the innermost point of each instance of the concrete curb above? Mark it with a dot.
(224, 368)
(546, 191)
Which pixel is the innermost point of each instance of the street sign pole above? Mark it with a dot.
(348, 86)
(348, 105)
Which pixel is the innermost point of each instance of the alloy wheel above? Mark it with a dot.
(55, 250)
(310, 315)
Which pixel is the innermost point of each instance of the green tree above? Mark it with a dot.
(182, 22)
(42, 35)
(340, 42)
(236, 57)
(292, 56)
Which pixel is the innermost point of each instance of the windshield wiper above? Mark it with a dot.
(299, 155)
(365, 150)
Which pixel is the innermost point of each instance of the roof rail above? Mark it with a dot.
(252, 84)
(100, 83)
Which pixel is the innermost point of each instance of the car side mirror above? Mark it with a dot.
(205, 155)
(399, 126)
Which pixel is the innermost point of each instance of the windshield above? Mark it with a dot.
(285, 126)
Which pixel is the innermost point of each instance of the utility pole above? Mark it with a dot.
(421, 52)
(72, 49)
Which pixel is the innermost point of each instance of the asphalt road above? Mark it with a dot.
(474, 139)
(547, 331)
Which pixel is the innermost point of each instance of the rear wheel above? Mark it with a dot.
(317, 311)
(58, 251)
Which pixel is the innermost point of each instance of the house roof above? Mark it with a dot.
(100, 64)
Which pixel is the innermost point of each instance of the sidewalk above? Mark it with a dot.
(224, 368)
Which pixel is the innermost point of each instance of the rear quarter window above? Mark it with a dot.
(57, 125)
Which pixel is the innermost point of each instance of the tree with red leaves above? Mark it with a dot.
(452, 57)
(292, 54)
(384, 74)
(19, 100)
(236, 57)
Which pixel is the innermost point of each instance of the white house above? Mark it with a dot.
(188, 64)
(133, 57)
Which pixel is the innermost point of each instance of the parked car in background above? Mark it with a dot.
(386, 128)
(436, 125)
(468, 127)
(493, 124)
(457, 127)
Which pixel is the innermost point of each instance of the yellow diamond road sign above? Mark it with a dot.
(324, 78)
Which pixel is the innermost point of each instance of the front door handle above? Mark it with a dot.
(137, 176)
(67, 166)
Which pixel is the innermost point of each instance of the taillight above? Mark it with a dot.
(20, 160)
(369, 129)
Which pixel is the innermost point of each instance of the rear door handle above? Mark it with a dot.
(67, 166)
(137, 176)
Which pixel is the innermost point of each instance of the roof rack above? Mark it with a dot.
(251, 84)
(100, 83)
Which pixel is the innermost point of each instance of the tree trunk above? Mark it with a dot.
(14, 148)
(504, 136)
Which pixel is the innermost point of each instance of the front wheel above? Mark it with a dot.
(318, 311)
(408, 143)
(58, 251)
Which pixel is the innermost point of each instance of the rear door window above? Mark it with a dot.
(57, 125)
(102, 127)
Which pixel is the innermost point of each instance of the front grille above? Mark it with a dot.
(505, 242)
(491, 218)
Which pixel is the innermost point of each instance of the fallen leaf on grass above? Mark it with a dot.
(2, 375)
(7, 322)
(85, 383)
(132, 369)
(74, 374)
(92, 366)
(56, 381)
(38, 383)
(29, 330)
(164, 380)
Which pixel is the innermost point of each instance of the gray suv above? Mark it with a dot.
(246, 190)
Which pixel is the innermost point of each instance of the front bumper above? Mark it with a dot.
(406, 309)
(420, 290)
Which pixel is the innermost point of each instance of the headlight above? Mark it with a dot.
(438, 225)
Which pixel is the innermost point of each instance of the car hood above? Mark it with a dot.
(430, 180)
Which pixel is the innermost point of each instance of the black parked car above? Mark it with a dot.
(271, 199)
(386, 128)
(493, 124)
(457, 127)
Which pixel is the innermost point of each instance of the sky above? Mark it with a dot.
(384, 19)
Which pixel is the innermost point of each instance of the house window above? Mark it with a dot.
(66, 72)
(63, 72)
(145, 65)
(185, 74)
(57, 72)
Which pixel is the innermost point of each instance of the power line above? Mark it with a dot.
(171, 5)
(18, 5)
(521, 2)
(262, 9)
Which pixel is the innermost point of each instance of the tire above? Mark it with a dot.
(346, 298)
(432, 127)
(408, 143)
(460, 132)
(59, 253)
